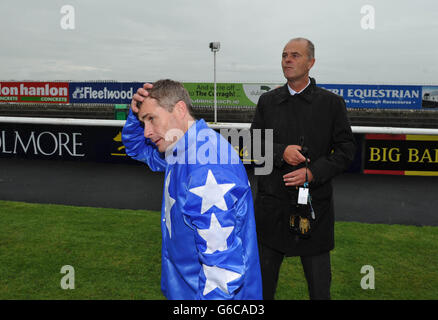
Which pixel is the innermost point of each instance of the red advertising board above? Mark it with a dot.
(34, 92)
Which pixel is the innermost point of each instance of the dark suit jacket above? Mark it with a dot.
(319, 118)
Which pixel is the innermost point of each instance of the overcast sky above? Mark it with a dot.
(142, 40)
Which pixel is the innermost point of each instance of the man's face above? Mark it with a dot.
(295, 61)
(159, 122)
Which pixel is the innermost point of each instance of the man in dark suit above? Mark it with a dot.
(312, 143)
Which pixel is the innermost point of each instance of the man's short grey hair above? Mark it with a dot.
(310, 47)
(168, 92)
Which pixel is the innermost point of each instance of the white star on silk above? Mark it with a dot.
(216, 236)
(168, 204)
(212, 193)
(218, 278)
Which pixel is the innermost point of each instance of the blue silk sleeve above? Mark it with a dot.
(140, 148)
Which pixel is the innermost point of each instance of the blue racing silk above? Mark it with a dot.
(209, 242)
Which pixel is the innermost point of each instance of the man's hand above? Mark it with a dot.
(293, 156)
(297, 177)
(138, 98)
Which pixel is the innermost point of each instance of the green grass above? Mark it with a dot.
(404, 258)
(116, 255)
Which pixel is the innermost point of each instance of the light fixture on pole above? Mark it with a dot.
(215, 46)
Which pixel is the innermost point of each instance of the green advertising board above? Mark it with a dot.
(228, 94)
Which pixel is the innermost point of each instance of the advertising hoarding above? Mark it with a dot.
(380, 154)
(34, 92)
(103, 92)
(56, 142)
(378, 96)
(401, 154)
(202, 93)
(228, 94)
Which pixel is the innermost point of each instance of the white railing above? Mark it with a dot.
(219, 125)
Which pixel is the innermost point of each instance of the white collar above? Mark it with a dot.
(293, 92)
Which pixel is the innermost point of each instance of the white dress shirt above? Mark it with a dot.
(293, 92)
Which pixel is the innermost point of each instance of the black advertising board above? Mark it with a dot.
(97, 143)
(78, 143)
(401, 154)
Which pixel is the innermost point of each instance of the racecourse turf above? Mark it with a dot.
(116, 254)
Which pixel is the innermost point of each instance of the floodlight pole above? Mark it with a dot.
(215, 46)
(215, 95)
